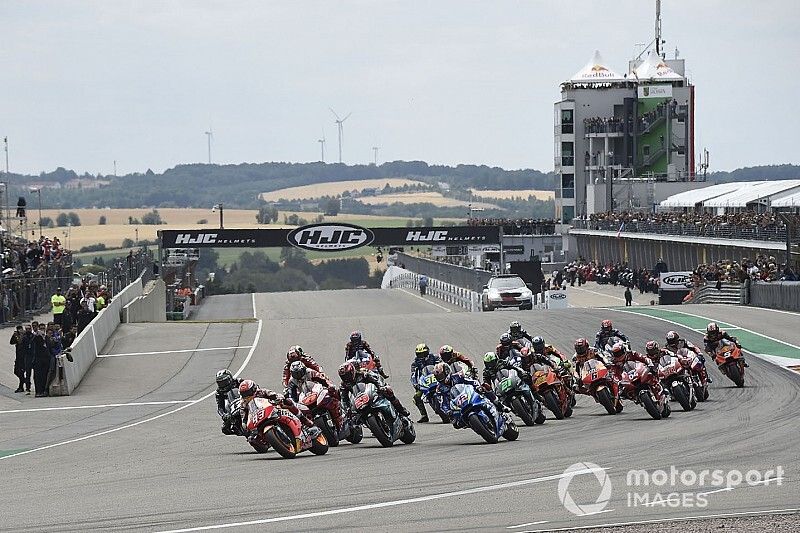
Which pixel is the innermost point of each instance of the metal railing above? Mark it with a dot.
(125, 271)
(24, 295)
(713, 231)
(447, 292)
(468, 278)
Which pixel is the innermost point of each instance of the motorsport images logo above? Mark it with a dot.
(584, 509)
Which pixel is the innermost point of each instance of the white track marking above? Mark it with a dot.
(764, 309)
(140, 422)
(392, 503)
(426, 300)
(601, 294)
(676, 519)
(527, 524)
(189, 350)
(102, 406)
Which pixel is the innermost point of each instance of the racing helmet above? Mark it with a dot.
(581, 347)
(347, 372)
(490, 360)
(355, 337)
(295, 352)
(248, 389)
(515, 327)
(298, 370)
(712, 329)
(538, 344)
(618, 352)
(224, 380)
(446, 352)
(673, 338)
(505, 339)
(441, 372)
(422, 351)
(606, 326)
(652, 348)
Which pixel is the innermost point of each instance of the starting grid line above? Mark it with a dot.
(189, 350)
(100, 406)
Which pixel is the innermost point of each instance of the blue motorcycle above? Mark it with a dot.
(471, 408)
(427, 385)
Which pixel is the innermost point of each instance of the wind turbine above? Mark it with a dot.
(209, 134)
(339, 122)
(375, 153)
(322, 145)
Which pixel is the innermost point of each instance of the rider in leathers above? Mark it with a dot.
(296, 353)
(422, 358)
(301, 374)
(225, 383)
(357, 343)
(528, 357)
(607, 331)
(450, 356)
(249, 390)
(447, 379)
(517, 333)
(620, 355)
(493, 364)
(584, 352)
(675, 343)
(350, 375)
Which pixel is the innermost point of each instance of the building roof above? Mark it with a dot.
(654, 68)
(789, 200)
(698, 196)
(755, 191)
(596, 71)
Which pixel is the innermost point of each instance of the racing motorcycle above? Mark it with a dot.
(460, 367)
(271, 425)
(233, 410)
(638, 384)
(428, 387)
(470, 408)
(363, 360)
(557, 397)
(374, 410)
(319, 402)
(600, 384)
(694, 366)
(674, 376)
(730, 362)
(516, 394)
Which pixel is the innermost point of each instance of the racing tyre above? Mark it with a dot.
(324, 423)
(279, 439)
(551, 402)
(259, 447)
(376, 426)
(606, 399)
(649, 404)
(409, 434)
(680, 394)
(320, 445)
(478, 427)
(356, 434)
(667, 410)
(522, 409)
(736, 375)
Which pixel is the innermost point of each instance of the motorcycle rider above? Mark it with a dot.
(300, 374)
(655, 352)
(675, 343)
(357, 343)
(493, 364)
(249, 390)
(225, 383)
(296, 353)
(542, 352)
(422, 358)
(447, 379)
(584, 352)
(607, 331)
(517, 333)
(350, 375)
(507, 345)
(714, 336)
(450, 356)
(621, 355)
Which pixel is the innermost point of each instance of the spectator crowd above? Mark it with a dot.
(580, 272)
(762, 268)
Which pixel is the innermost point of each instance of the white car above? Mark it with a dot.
(506, 290)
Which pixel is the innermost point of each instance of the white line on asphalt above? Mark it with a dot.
(102, 406)
(426, 300)
(174, 351)
(601, 294)
(392, 503)
(527, 524)
(140, 422)
(765, 309)
(662, 520)
(728, 489)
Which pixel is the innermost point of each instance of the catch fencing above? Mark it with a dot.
(775, 295)
(399, 278)
(689, 229)
(23, 296)
(468, 278)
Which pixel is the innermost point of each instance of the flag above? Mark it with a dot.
(621, 227)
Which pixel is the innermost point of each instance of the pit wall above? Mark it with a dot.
(151, 306)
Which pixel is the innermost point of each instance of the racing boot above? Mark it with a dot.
(421, 406)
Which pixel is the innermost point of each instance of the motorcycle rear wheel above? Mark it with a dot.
(356, 434)
(682, 397)
(377, 429)
(521, 409)
(259, 447)
(649, 404)
(511, 432)
(606, 399)
(280, 440)
(320, 445)
(551, 402)
(735, 375)
(478, 427)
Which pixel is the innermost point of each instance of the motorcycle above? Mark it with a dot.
(233, 407)
(672, 371)
(316, 397)
(516, 394)
(374, 410)
(470, 408)
(600, 384)
(557, 397)
(271, 425)
(694, 365)
(460, 367)
(427, 385)
(642, 387)
(730, 362)
(363, 360)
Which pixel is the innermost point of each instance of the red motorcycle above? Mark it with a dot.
(600, 385)
(694, 366)
(555, 395)
(282, 430)
(730, 361)
(675, 376)
(642, 387)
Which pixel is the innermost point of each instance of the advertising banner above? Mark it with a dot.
(676, 281)
(556, 299)
(655, 91)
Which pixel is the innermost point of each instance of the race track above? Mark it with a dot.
(166, 466)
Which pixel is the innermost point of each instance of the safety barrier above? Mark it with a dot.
(400, 278)
(775, 233)
(151, 306)
(86, 346)
(775, 295)
(468, 278)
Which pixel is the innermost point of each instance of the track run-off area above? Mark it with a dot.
(138, 446)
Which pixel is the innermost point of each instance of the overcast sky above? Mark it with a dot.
(85, 83)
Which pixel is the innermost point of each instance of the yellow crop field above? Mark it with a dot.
(334, 188)
(509, 194)
(430, 197)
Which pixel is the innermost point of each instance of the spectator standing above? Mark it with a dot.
(84, 317)
(628, 297)
(59, 303)
(27, 339)
(54, 345)
(41, 361)
(423, 284)
(19, 359)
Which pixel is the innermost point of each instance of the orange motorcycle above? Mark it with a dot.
(730, 361)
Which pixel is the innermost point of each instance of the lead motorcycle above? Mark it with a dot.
(516, 394)
(470, 408)
(638, 384)
(427, 385)
(374, 410)
(271, 425)
(233, 409)
(674, 376)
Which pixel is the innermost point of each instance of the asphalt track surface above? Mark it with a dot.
(169, 467)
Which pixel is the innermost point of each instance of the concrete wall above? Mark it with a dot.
(91, 340)
(776, 295)
(151, 306)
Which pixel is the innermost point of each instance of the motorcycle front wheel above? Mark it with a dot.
(606, 399)
(551, 402)
(480, 428)
(649, 404)
(521, 409)
(324, 423)
(376, 426)
(735, 374)
(281, 441)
